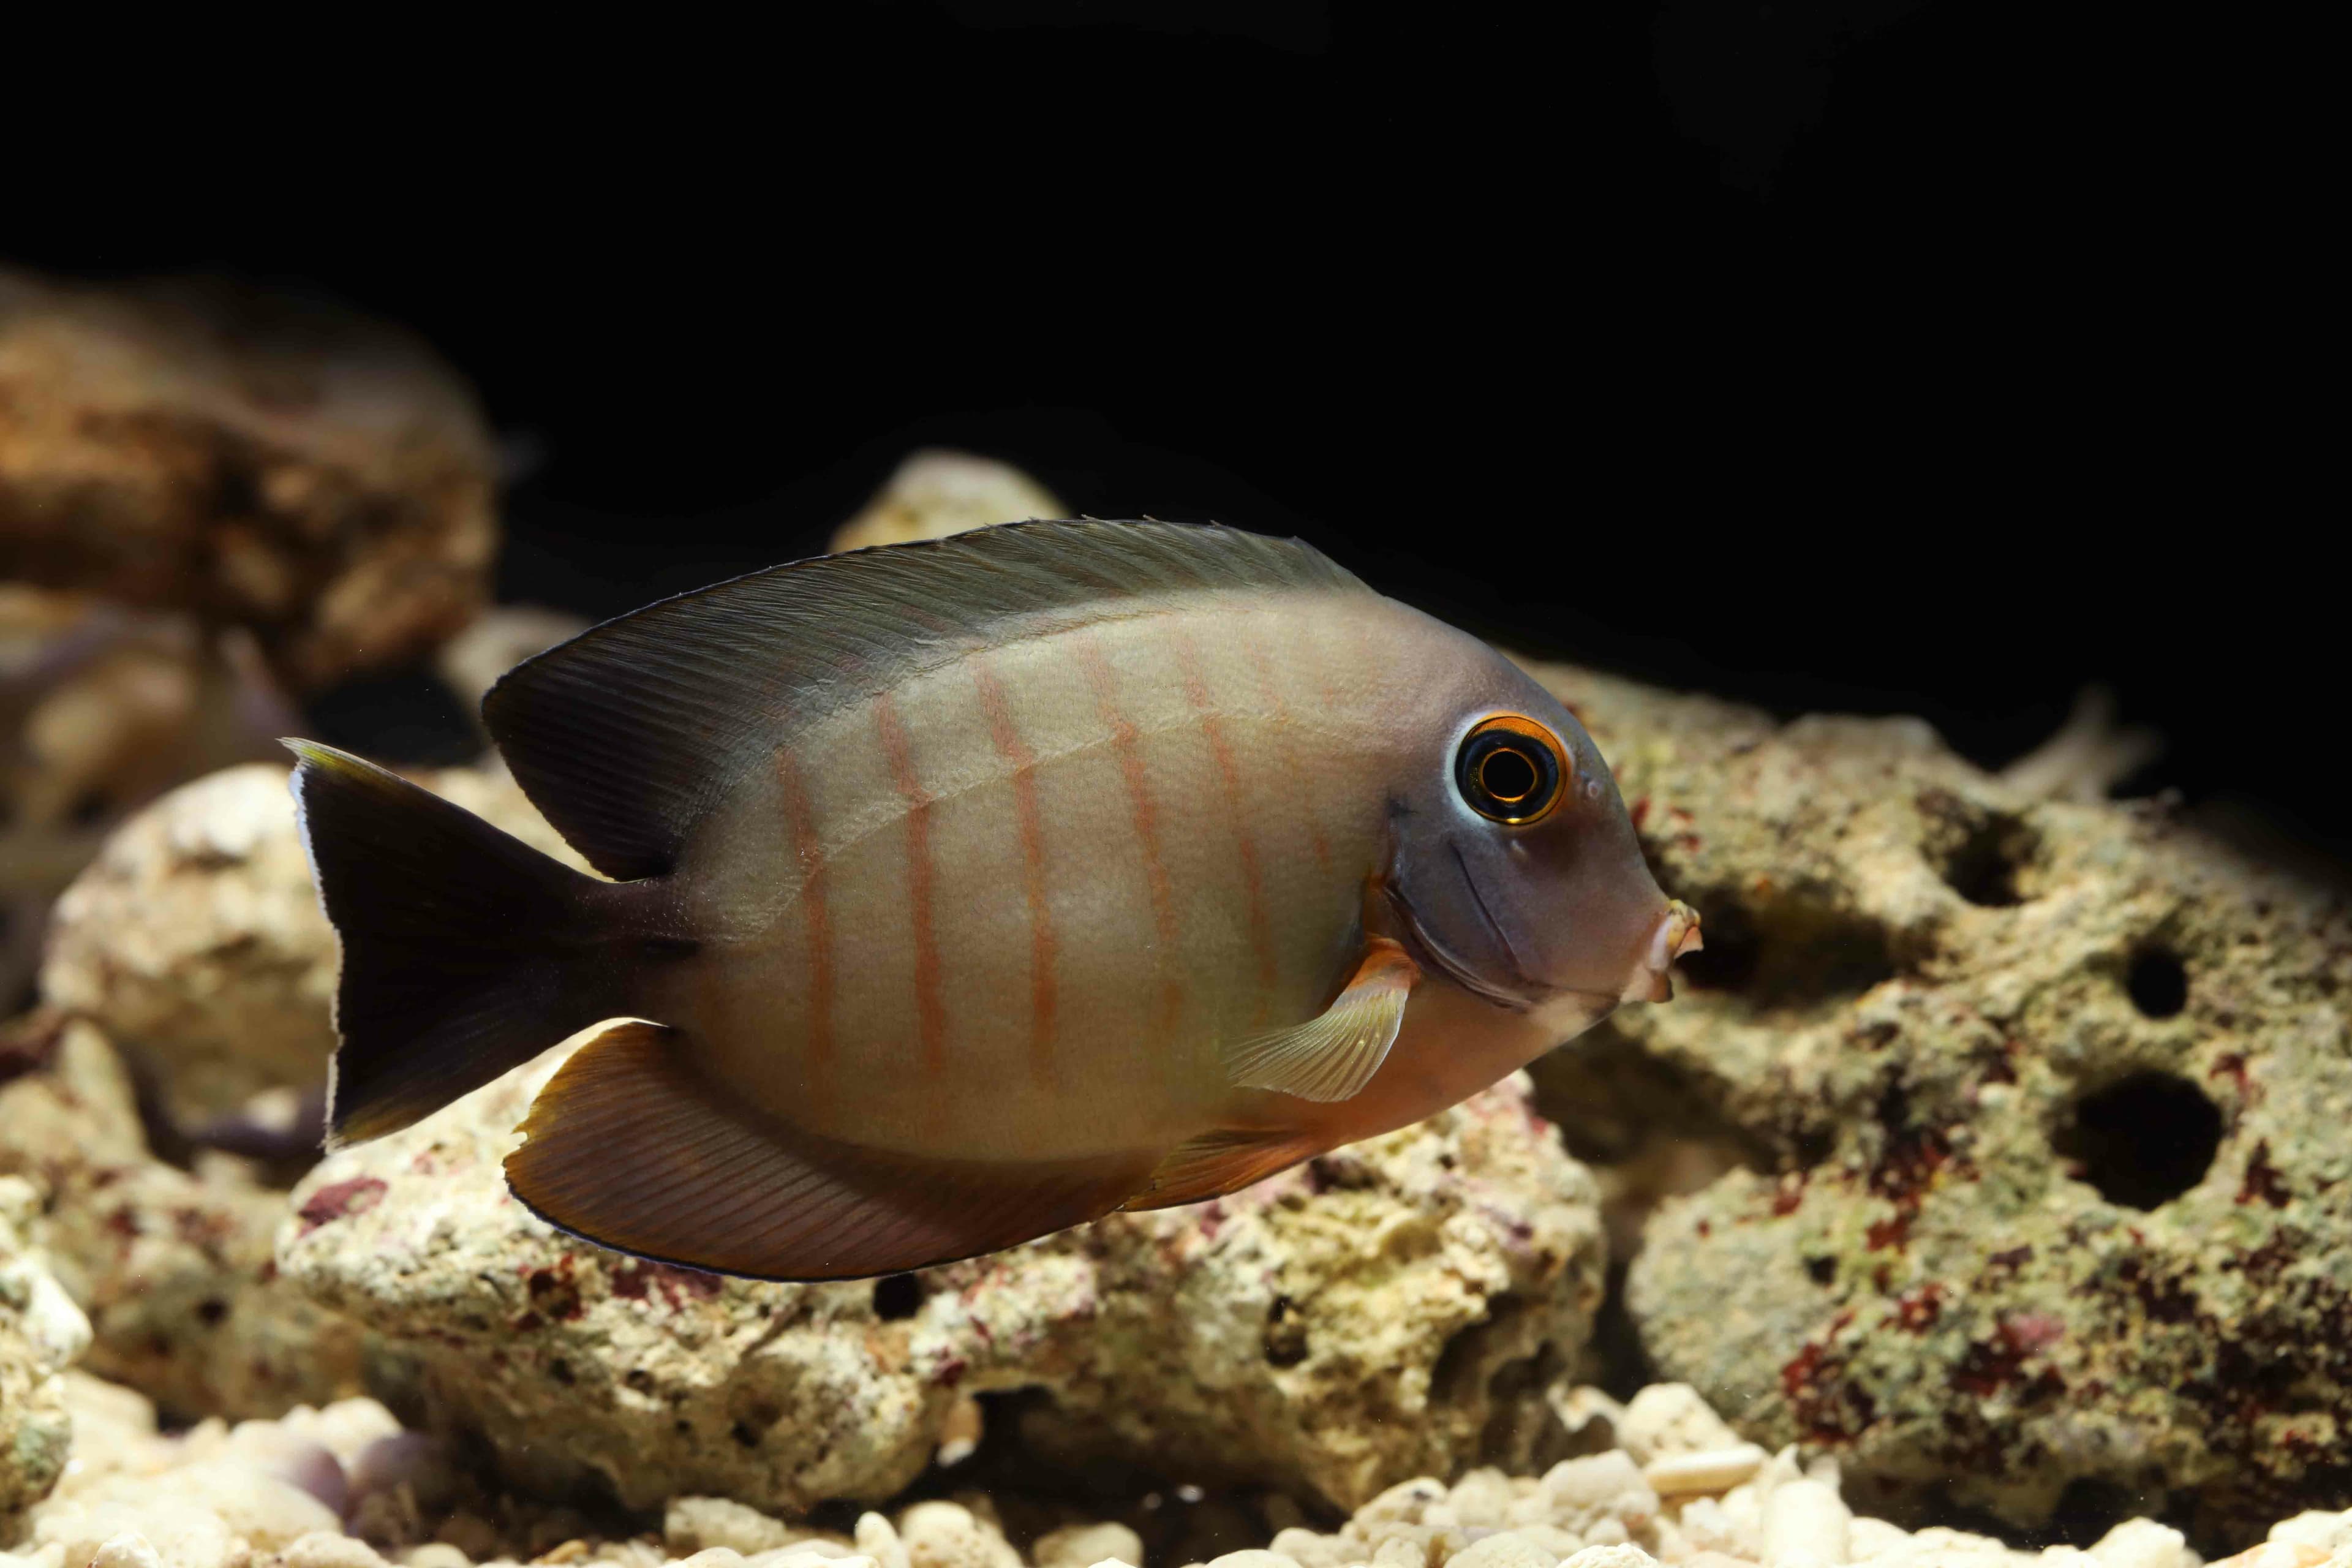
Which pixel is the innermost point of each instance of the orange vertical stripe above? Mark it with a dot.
(1124, 742)
(815, 919)
(930, 1016)
(1016, 754)
(1213, 726)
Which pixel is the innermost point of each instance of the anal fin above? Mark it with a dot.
(1334, 1054)
(1221, 1161)
(628, 1146)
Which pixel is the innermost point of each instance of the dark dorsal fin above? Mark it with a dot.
(625, 735)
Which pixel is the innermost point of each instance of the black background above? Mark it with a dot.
(1869, 355)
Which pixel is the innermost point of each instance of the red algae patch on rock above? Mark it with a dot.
(2032, 1106)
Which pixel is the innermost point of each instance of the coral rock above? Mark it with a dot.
(175, 1270)
(195, 938)
(2035, 1105)
(41, 1333)
(324, 480)
(1385, 1310)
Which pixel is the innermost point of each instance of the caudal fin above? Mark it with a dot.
(465, 952)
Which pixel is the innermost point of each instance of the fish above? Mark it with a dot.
(954, 893)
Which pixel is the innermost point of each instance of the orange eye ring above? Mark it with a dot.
(1512, 770)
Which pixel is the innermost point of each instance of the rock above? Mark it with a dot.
(949, 1535)
(1377, 1313)
(1707, 1470)
(325, 480)
(1806, 1525)
(101, 709)
(1667, 1419)
(196, 938)
(2143, 1543)
(2031, 1104)
(41, 1333)
(1503, 1549)
(694, 1524)
(936, 493)
(331, 1549)
(128, 1550)
(1083, 1545)
(175, 1270)
(181, 1534)
(2315, 1527)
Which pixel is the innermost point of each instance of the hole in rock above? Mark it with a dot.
(1980, 854)
(896, 1298)
(1787, 955)
(2157, 982)
(1285, 1333)
(2144, 1141)
(1983, 865)
(1821, 1270)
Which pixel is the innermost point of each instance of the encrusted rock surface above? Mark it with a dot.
(325, 480)
(2037, 1108)
(41, 1333)
(1388, 1309)
(174, 1269)
(195, 938)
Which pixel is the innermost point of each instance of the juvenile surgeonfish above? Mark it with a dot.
(964, 891)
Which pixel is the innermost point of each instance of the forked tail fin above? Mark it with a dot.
(465, 952)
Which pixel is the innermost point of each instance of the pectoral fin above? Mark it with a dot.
(629, 1146)
(1332, 1055)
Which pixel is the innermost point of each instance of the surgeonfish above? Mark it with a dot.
(957, 892)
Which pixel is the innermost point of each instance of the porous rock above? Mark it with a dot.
(1391, 1308)
(175, 1268)
(41, 1333)
(2034, 1105)
(323, 480)
(195, 938)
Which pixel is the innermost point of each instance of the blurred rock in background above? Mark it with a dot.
(936, 493)
(213, 500)
(248, 457)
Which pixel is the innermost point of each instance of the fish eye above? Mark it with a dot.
(1511, 770)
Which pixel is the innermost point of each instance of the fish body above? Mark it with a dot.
(971, 888)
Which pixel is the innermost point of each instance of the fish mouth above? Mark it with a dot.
(1675, 934)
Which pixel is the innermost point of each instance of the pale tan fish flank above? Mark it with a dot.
(970, 890)
(1144, 809)
(1031, 824)
(1236, 818)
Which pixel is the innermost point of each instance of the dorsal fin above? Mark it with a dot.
(625, 735)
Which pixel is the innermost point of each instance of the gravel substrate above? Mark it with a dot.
(345, 1487)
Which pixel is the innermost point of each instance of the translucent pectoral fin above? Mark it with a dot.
(1333, 1055)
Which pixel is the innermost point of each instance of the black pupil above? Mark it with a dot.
(1508, 775)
